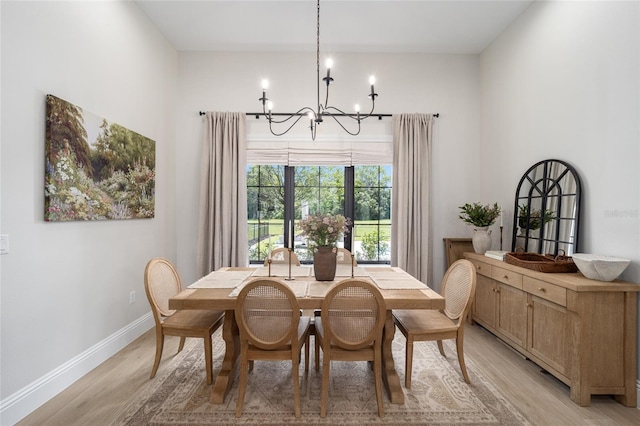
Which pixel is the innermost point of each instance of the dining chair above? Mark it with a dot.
(350, 329)
(344, 256)
(271, 328)
(458, 290)
(281, 255)
(161, 282)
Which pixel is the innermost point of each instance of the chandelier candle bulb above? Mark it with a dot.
(353, 238)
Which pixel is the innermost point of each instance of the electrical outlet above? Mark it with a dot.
(4, 244)
(132, 297)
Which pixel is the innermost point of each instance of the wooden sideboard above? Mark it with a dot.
(580, 330)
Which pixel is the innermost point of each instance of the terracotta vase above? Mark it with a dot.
(324, 263)
(481, 240)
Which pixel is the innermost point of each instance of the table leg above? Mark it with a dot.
(389, 373)
(229, 370)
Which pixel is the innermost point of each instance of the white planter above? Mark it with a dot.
(481, 240)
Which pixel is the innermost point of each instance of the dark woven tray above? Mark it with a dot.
(541, 263)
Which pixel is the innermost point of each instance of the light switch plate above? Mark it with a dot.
(4, 244)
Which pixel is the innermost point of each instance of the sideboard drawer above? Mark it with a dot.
(505, 276)
(544, 290)
(482, 268)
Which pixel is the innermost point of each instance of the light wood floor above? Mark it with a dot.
(97, 398)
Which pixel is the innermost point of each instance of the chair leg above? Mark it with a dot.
(182, 340)
(242, 385)
(408, 363)
(159, 347)
(460, 351)
(296, 387)
(317, 348)
(377, 367)
(208, 358)
(441, 348)
(306, 357)
(325, 385)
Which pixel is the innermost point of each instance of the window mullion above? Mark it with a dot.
(349, 202)
(289, 202)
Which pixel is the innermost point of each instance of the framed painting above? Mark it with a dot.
(94, 169)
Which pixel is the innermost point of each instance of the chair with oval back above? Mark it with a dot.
(161, 282)
(458, 289)
(281, 255)
(344, 256)
(271, 328)
(350, 329)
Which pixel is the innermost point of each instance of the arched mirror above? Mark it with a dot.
(547, 209)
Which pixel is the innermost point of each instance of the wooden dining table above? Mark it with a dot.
(219, 289)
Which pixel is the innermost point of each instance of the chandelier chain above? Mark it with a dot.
(320, 111)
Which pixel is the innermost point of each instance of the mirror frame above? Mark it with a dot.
(544, 187)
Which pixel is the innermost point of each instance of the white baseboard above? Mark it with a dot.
(20, 404)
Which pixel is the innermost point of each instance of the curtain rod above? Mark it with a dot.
(258, 114)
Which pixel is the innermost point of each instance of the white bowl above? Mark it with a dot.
(601, 268)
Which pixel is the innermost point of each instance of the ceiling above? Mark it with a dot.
(452, 26)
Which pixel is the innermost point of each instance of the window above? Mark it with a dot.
(372, 213)
(277, 194)
(265, 210)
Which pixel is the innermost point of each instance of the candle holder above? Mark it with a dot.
(290, 278)
(352, 258)
(500, 237)
(269, 265)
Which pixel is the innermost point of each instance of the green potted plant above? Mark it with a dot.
(535, 218)
(481, 216)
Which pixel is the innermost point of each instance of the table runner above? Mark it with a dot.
(344, 271)
(299, 288)
(395, 280)
(282, 270)
(221, 279)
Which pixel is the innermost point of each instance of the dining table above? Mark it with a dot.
(219, 289)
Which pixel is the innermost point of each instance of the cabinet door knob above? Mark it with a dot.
(542, 289)
(506, 277)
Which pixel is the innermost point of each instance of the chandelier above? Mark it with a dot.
(316, 116)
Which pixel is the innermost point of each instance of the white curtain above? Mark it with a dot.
(222, 230)
(410, 239)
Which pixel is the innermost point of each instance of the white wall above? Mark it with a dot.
(65, 286)
(564, 82)
(445, 84)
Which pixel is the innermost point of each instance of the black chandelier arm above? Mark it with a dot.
(289, 128)
(335, 118)
(300, 113)
(341, 113)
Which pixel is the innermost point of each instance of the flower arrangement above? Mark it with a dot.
(321, 230)
(535, 218)
(478, 215)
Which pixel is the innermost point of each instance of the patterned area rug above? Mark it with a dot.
(178, 395)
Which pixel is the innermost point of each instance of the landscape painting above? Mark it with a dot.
(94, 169)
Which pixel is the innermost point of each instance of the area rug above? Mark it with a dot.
(179, 394)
